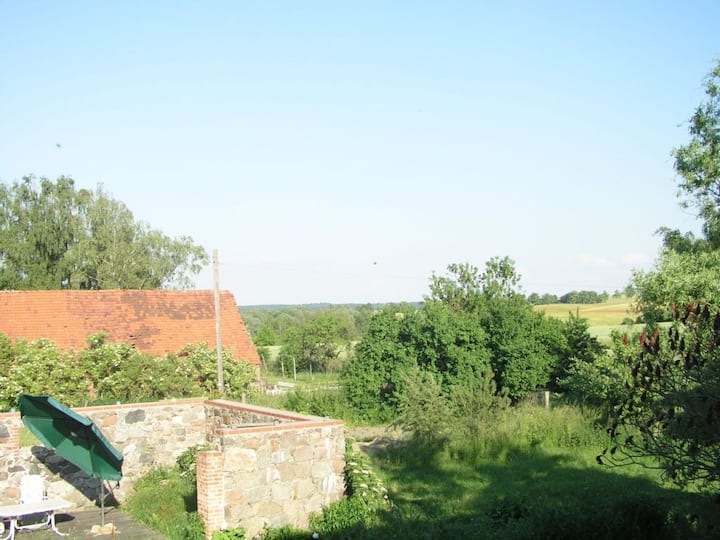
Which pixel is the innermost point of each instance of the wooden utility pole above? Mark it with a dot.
(218, 333)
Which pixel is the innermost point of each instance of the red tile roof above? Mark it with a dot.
(155, 322)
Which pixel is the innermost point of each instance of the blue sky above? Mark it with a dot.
(345, 151)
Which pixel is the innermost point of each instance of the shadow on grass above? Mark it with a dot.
(525, 495)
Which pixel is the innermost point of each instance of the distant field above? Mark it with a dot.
(612, 312)
(602, 318)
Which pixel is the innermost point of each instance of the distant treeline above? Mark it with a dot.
(573, 297)
(288, 324)
(580, 297)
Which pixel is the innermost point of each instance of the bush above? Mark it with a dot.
(423, 410)
(110, 372)
(328, 403)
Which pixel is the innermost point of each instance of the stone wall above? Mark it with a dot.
(147, 434)
(272, 475)
(266, 466)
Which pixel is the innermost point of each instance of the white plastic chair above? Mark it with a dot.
(32, 488)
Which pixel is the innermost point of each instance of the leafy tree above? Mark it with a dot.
(55, 236)
(678, 278)
(472, 323)
(698, 165)
(583, 297)
(38, 225)
(372, 376)
(317, 344)
(265, 336)
(672, 410)
(526, 346)
(686, 270)
(579, 350)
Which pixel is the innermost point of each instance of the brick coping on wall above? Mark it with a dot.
(294, 420)
(116, 406)
(220, 403)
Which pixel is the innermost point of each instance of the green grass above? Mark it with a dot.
(166, 501)
(304, 379)
(528, 479)
(532, 473)
(603, 332)
(28, 439)
(539, 493)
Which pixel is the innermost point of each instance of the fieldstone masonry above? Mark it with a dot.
(265, 466)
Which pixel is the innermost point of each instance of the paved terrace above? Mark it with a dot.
(78, 524)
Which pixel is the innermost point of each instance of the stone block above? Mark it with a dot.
(302, 453)
(135, 416)
(288, 440)
(251, 442)
(286, 471)
(240, 459)
(302, 470)
(320, 452)
(257, 493)
(272, 474)
(302, 488)
(281, 492)
(328, 484)
(268, 508)
(320, 470)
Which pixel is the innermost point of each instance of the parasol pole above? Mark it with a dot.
(102, 503)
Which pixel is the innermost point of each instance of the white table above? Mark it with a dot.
(11, 514)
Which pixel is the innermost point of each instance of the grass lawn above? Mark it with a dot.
(561, 493)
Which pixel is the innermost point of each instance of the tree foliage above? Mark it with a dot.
(55, 236)
(110, 372)
(672, 408)
(317, 343)
(380, 356)
(473, 325)
(698, 166)
(678, 278)
(269, 325)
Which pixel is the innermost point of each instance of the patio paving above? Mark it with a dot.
(79, 524)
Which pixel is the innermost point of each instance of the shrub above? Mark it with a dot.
(423, 410)
(328, 403)
(110, 372)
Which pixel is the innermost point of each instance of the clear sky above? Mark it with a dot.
(344, 151)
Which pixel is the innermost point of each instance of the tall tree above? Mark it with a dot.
(55, 236)
(687, 268)
(698, 166)
(671, 411)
